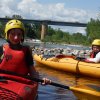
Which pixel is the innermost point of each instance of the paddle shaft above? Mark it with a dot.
(33, 79)
(52, 83)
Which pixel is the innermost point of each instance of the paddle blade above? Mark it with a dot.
(84, 92)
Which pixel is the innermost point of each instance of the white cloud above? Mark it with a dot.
(32, 9)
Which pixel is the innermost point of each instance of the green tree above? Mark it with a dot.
(93, 29)
(17, 16)
(30, 30)
(2, 29)
(50, 31)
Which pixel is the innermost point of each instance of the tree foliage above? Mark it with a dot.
(93, 29)
(92, 32)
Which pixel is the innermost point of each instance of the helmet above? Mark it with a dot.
(96, 42)
(14, 24)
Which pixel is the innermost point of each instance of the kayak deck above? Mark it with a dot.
(16, 90)
(69, 65)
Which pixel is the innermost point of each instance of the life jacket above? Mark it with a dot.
(93, 54)
(14, 60)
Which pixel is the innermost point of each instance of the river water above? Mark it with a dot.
(55, 93)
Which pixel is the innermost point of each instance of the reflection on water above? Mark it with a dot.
(65, 77)
(55, 93)
(52, 92)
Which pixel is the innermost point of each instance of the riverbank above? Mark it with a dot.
(55, 49)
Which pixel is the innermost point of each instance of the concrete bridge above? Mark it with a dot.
(45, 23)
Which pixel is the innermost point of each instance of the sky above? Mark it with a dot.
(56, 10)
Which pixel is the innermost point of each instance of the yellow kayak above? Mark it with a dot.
(69, 65)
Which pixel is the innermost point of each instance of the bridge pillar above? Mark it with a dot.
(43, 30)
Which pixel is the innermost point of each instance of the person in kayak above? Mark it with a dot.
(95, 54)
(14, 56)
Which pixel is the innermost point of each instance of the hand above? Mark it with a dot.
(46, 81)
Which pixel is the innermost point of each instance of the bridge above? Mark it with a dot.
(45, 24)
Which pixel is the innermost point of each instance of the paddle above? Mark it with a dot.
(92, 93)
(30, 78)
(52, 83)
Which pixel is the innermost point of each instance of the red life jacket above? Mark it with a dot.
(14, 60)
(92, 55)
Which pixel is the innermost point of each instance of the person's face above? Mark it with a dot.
(15, 36)
(96, 48)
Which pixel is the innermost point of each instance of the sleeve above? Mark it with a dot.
(29, 57)
(96, 59)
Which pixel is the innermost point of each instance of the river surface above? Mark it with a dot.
(55, 93)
